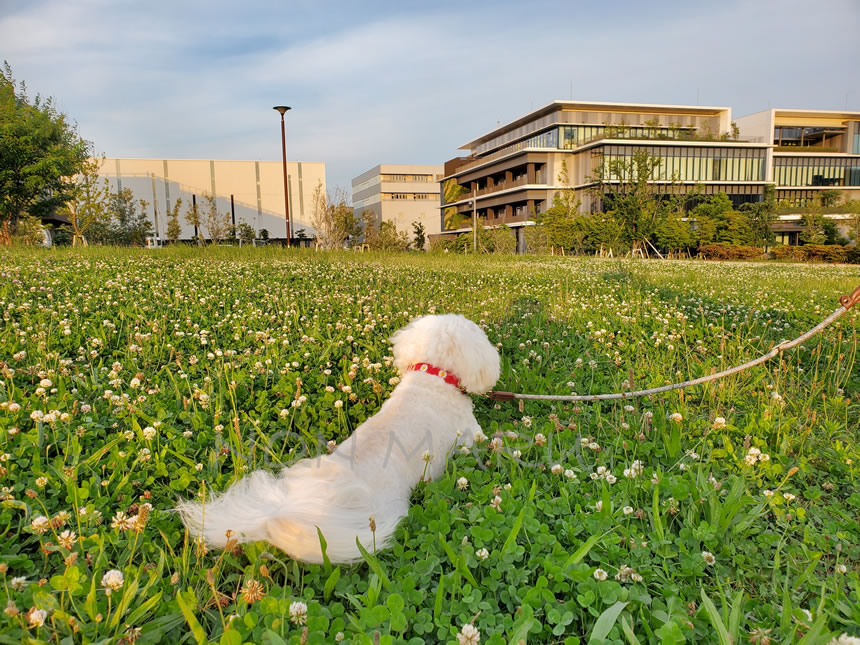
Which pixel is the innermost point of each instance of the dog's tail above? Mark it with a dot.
(287, 511)
(240, 512)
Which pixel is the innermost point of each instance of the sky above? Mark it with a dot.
(407, 82)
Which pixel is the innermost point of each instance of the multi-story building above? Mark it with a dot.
(251, 191)
(514, 171)
(813, 151)
(400, 193)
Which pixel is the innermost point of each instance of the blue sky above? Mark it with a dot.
(372, 84)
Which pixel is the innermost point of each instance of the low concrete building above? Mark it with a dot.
(402, 194)
(251, 191)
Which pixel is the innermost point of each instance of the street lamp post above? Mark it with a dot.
(282, 109)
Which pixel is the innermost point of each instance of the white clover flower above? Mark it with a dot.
(149, 433)
(628, 510)
(629, 408)
(600, 574)
(540, 439)
(841, 568)
(482, 554)
(610, 478)
(569, 474)
(598, 506)
(112, 580)
(750, 460)
(18, 583)
(708, 557)
(557, 469)
(14, 407)
(788, 497)
(37, 415)
(45, 383)
(676, 417)
(36, 617)
(40, 524)
(516, 454)
(338, 404)
(718, 423)
(468, 635)
(462, 483)
(479, 437)
(298, 613)
(527, 422)
(844, 639)
(764, 457)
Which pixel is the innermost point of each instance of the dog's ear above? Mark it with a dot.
(470, 355)
(407, 344)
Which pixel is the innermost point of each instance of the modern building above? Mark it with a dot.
(514, 171)
(251, 191)
(813, 151)
(400, 193)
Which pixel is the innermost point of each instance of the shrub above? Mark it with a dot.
(794, 253)
(825, 252)
(817, 253)
(729, 252)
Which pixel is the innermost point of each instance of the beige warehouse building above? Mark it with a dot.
(251, 191)
(402, 194)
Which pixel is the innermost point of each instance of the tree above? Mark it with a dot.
(245, 232)
(452, 192)
(623, 185)
(192, 218)
(675, 234)
(174, 230)
(40, 153)
(332, 218)
(29, 231)
(88, 200)
(761, 216)
(217, 225)
(420, 235)
(129, 224)
(830, 197)
(385, 237)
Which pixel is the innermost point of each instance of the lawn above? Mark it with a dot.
(720, 514)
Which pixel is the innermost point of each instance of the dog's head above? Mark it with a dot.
(453, 343)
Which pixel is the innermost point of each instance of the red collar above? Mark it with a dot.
(448, 377)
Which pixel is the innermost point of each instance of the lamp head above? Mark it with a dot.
(281, 109)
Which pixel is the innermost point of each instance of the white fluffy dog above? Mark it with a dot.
(372, 473)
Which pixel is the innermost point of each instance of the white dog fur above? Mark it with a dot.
(373, 472)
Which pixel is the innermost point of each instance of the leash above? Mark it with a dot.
(845, 303)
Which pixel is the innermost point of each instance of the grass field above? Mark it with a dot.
(722, 514)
